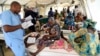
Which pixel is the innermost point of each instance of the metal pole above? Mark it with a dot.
(88, 9)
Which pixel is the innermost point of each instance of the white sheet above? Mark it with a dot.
(52, 52)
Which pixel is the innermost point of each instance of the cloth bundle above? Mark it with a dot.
(60, 44)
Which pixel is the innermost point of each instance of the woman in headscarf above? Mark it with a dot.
(86, 40)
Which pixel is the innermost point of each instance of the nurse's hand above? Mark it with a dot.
(26, 25)
(22, 20)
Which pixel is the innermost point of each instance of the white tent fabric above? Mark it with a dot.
(52, 52)
(44, 1)
(33, 2)
(2, 1)
(8, 2)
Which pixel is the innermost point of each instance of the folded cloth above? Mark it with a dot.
(68, 48)
(58, 44)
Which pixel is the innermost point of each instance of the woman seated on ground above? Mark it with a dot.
(85, 41)
(53, 30)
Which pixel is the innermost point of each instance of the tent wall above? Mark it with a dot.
(92, 9)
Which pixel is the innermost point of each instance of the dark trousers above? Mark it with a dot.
(1, 47)
(32, 28)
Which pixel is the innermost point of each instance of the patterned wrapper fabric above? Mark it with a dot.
(88, 46)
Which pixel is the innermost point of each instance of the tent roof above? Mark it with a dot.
(8, 2)
(34, 2)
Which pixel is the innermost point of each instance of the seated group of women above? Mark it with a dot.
(84, 40)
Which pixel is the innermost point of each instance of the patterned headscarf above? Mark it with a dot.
(91, 23)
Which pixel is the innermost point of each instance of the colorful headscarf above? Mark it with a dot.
(90, 22)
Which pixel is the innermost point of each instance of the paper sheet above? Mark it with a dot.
(27, 24)
(28, 18)
(31, 40)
